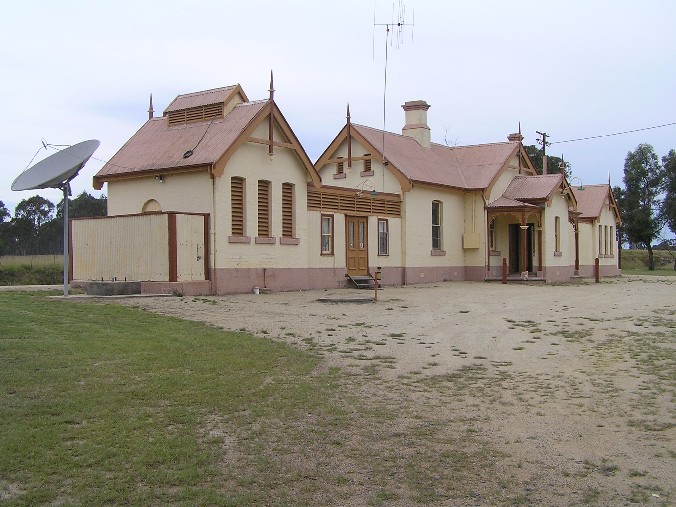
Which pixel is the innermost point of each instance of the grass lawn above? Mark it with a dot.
(103, 404)
(646, 272)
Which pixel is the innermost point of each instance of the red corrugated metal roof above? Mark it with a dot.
(505, 202)
(590, 199)
(467, 167)
(202, 98)
(533, 187)
(157, 146)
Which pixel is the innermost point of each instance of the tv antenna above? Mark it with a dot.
(394, 36)
(57, 171)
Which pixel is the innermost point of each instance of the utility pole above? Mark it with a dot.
(544, 144)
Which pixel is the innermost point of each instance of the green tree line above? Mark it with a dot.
(648, 200)
(37, 225)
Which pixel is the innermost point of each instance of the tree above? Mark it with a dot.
(618, 193)
(669, 203)
(84, 205)
(553, 163)
(643, 180)
(668, 208)
(37, 210)
(4, 213)
(30, 216)
(4, 226)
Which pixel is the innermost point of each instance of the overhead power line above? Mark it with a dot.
(615, 134)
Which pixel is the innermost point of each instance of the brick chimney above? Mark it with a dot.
(416, 122)
(515, 137)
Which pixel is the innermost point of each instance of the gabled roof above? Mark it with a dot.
(159, 147)
(156, 146)
(533, 188)
(196, 99)
(507, 203)
(462, 167)
(591, 198)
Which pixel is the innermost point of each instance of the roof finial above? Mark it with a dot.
(151, 111)
(272, 88)
(349, 139)
(520, 136)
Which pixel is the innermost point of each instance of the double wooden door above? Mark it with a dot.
(356, 241)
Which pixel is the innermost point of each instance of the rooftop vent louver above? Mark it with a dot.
(196, 114)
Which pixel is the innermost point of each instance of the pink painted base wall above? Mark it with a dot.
(198, 288)
(233, 281)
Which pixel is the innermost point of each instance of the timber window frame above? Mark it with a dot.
(264, 209)
(288, 210)
(611, 241)
(557, 236)
(383, 237)
(238, 210)
(327, 230)
(437, 225)
(368, 169)
(340, 169)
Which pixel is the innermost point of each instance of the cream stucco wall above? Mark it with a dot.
(589, 239)
(338, 259)
(381, 181)
(253, 163)
(417, 210)
(503, 180)
(185, 192)
(474, 238)
(557, 207)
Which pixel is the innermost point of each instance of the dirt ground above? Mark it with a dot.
(570, 387)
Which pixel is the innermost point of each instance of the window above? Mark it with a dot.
(327, 234)
(383, 237)
(339, 168)
(557, 234)
(150, 206)
(611, 240)
(491, 235)
(437, 210)
(367, 165)
(237, 205)
(287, 210)
(605, 239)
(264, 229)
(600, 239)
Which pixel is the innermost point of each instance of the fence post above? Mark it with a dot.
(504, 270)
(596, 270)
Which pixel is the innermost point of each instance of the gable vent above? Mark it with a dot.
(195, 114)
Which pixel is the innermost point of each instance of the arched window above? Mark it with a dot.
(151, 206)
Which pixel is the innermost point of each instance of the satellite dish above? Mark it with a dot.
(58, 168)
(56, 171)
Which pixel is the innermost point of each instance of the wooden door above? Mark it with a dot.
(356, 241)
(514, 248)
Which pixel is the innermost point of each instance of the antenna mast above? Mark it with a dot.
(397, 25)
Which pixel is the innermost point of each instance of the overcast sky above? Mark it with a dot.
(77, 70)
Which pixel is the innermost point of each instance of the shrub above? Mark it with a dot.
(31, 275)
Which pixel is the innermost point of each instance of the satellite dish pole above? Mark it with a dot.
(57, 171)
(66, 243)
